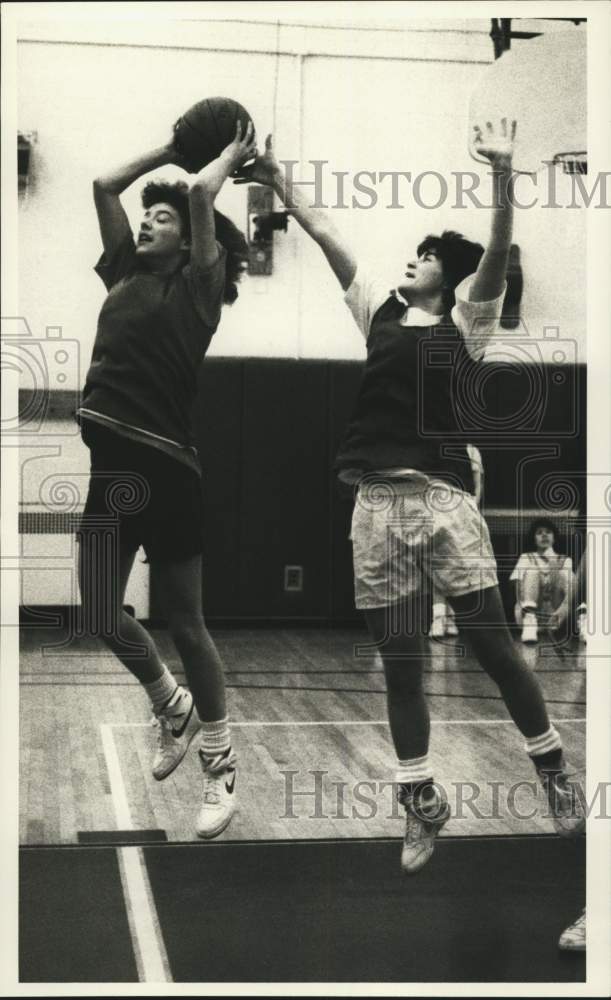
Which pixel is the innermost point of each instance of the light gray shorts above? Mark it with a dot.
(406, 532)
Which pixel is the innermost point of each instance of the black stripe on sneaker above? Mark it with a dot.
(178, 732)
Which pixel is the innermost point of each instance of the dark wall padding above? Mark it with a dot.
(268, 431)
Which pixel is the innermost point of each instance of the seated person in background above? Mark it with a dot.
(444, 622)
(544, 582)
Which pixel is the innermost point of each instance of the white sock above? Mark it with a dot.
(215, 737)
(439, 610)
(162, 690)
(413, 770)
(536, 745)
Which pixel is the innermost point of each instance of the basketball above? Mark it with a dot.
(203, 132)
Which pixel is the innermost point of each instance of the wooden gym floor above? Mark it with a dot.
(127, 891)
(308, 713)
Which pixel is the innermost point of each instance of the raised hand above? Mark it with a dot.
(242, 147)
(495, 142)
(264, 170)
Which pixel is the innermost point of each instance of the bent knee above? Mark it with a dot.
(101, 620)
(187, 628)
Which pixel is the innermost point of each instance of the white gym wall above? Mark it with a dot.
(97, 91)
(384, 97)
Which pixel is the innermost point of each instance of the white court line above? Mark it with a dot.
(118, 793)
(147, 941)
(350, 722)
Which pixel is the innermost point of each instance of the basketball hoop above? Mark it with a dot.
(573, 162)
(541, 85)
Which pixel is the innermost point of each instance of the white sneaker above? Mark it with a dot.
(176, 725)
(529, 627)
(565, 806)
(437, 629)
(219, 794)
(573, 938)
(424, 819)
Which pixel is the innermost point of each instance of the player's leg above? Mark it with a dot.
(181, 592)
(180, 584)
(399, 634)
(482, 622)
(120, 491)
(401, 646)
(388, 532)
(104, 566)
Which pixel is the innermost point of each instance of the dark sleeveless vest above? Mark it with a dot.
(413, 399)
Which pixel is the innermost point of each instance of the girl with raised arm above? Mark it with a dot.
(415, 512)
(166, 290)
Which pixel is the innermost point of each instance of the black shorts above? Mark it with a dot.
(142, 496)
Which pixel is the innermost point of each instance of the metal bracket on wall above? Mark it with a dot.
(25, 141)
(501, 31)
(262, 222)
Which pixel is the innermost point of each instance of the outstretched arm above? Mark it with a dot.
(113, 222)
(314, 221)
(497, 146)
(205, 188)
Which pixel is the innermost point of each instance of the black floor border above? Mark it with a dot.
(283, 842)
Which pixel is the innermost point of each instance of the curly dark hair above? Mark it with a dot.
(227, 234)
(533, 527)
(234, 241)
(176, 195)
(459, 257)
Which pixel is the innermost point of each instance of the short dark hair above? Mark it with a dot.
(459, 257)
(227, 234)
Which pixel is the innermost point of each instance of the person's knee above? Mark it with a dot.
(506, 662)
(187, 628)
(102, 623)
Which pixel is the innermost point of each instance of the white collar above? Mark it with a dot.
(413, 315)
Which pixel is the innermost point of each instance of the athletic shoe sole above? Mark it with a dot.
(215, 831)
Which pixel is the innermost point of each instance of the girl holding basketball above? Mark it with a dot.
(166, 290)
(415, 513)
